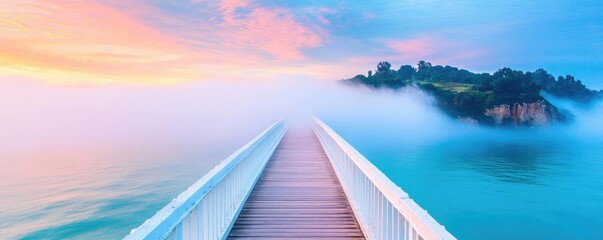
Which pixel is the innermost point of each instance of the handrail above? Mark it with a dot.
(383, 210)
(209, 208)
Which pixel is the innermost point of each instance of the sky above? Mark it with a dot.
(167, 42)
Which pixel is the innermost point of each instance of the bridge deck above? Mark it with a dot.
(297, 196)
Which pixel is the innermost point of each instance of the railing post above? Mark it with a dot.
(383, 210)
(209, 207)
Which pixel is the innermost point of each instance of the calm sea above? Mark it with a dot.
(482, 184)
(493, 184)
(81, 162)
(94, 163)
(82, 193)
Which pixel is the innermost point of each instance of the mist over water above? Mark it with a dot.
(93, 162)
(537, 183)
(96, 161)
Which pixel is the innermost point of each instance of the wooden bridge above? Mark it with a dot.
(288, 184)
(298, 195)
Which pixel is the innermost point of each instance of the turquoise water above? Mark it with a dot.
(94, 163)
(102, 194)
(493, 184)
(480, 184)
(95, 195)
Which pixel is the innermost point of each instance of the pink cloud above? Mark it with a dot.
(322, 13)
(237, 28)
(439, 50)
(274, 31)
(107, 41)
(57, 39)
(139, 40)
(323, 20)
(412, 49)
(229, 7)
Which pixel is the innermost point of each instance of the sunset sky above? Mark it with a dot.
(113, 41)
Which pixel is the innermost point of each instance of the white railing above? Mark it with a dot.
(209, 208)
(384, 210)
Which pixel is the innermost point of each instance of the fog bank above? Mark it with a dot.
(81, 148)
(39, 116)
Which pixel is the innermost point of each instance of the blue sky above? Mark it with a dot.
(175, 41)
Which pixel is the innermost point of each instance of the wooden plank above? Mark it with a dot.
(287, 226)
(298, 237)
(301, 233)
(297, 196)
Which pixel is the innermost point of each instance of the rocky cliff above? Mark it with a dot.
(538, 113)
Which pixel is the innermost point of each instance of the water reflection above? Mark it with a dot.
(543, 184)
(93, 163)
(93, 195)
(513, 159)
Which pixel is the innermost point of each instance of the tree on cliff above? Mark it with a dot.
(507, 81)
(463, 94)
(406, 72)
(541, 78)
(383, 67)
(569, 87)
(384, 76)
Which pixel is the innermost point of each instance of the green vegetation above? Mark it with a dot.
(466, 95)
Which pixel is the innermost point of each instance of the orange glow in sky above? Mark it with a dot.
(104, 42)
(164, 42)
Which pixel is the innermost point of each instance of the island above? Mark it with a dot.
(505, 98)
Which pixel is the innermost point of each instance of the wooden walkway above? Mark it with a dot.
(297, 196)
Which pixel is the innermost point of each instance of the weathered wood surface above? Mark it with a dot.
(297, 196)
